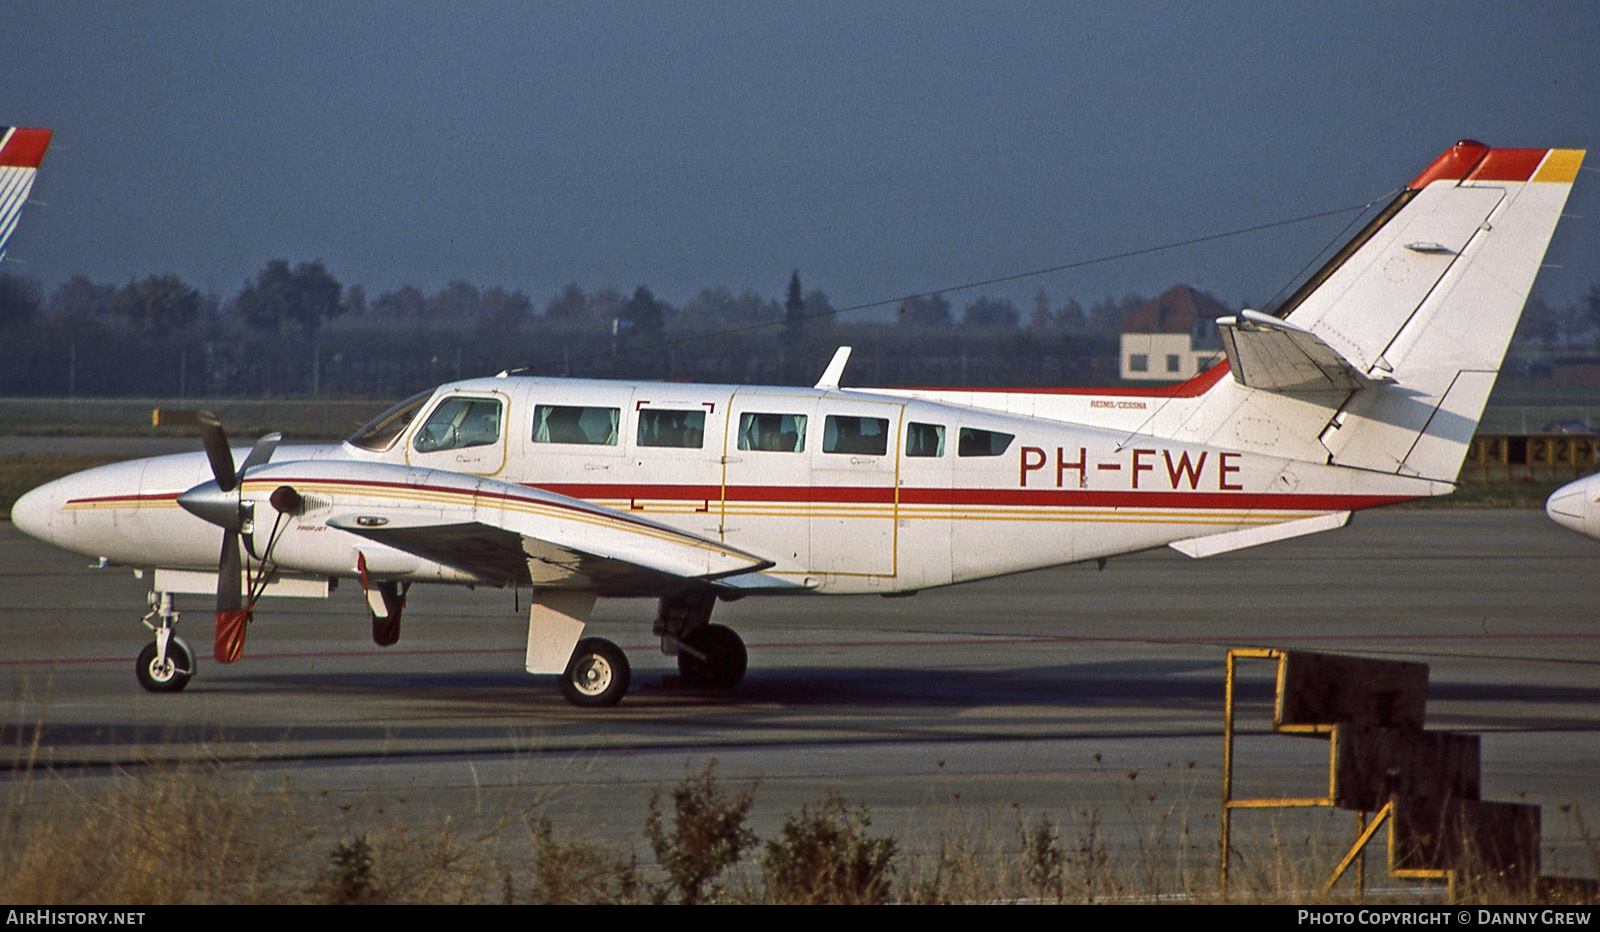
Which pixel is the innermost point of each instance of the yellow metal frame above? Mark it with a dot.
(1229, 803)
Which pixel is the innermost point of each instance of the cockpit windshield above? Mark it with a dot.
(381, 432)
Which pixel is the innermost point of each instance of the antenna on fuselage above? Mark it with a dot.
(831, 375)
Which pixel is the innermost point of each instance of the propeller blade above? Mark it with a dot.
(261, 452)
(232, 617)
(217, 450)
(229, 598)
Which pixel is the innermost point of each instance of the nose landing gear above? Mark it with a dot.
(166, 665)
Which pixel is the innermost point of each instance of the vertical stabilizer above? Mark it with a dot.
(1426, 306)
(1384, 359)
(21, 151)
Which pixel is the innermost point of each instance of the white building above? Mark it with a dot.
(1171, 338)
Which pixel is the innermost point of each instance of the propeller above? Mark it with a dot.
(221, 502)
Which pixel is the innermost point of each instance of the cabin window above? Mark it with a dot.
(1139, 362)
(924, 439)
(863, 436)
(380, 433)
(573, 424)
(1174, 362)
(661, 427)
(783, 433)
(458, 423)
(976, 442)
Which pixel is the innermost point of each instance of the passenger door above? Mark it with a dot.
(766, 478)
(854, 495)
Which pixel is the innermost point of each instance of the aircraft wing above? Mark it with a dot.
(1272, 354)
(503, 533)
(502, 556)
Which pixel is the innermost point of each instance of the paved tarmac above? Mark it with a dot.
(961, 710)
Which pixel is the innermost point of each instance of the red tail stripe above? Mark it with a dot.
(1473, 161)
(25, 148)
(1508, 165)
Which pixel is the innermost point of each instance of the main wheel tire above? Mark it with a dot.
(170, 677)
(723, 659)
(597, 674)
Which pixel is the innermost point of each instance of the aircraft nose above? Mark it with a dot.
(1568, 507)
(32, 513)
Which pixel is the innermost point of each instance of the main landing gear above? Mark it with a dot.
(709, 656)
(167, 664)
(596, 673)
(712, 657)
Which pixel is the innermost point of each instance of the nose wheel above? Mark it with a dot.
(165, 674)
(166, 665)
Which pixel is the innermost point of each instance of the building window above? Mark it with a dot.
(1174, 362)
(1139, 362)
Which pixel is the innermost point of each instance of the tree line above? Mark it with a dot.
(295, 329)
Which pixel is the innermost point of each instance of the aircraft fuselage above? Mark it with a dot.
(843, 491)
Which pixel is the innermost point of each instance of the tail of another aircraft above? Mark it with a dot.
(21, 151)
(1384, 359)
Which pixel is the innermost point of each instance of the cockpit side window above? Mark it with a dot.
(458, 423)
(380, 433)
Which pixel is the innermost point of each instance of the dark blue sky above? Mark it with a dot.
(880, 149)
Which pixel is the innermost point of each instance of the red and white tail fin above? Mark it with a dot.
(1426, 305)
(21, 151)
(1383, 361)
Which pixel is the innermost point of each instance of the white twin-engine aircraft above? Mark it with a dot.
(1576, 506)
(1364, 392)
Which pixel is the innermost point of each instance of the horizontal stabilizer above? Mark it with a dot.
(1268, 353)
(1214, 544)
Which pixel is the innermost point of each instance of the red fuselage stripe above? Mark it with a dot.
(1058, 498)
(1193, 388)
